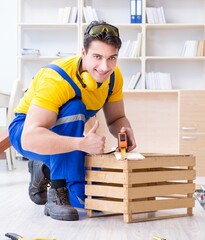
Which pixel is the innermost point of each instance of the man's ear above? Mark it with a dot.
(83, 53)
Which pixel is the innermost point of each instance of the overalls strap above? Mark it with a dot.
(111, 85)
(64, 75)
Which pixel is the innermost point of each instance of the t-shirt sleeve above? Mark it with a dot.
(52, 91)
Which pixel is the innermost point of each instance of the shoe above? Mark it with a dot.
(58, 205)
(38, 184)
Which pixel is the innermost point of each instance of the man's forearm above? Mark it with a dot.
(116, 126)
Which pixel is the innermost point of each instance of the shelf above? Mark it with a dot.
(38, 58)
(170, 58)
(172, 91)
(46, 25)
(173, 25)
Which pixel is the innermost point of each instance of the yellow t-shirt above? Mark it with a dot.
(50, 91)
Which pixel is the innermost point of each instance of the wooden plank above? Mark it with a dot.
(159, 217)
(105, 161)
(160, 190)
(157, 176)
(105, 177)
(165, 161)
(154, 205)
(4, 141)
(105, 191)
(139, 177)
(139, 192)
(104, 205)
(2, 155)
(109, 161)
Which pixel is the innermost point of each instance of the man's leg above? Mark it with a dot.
(67, 167)
(40, 173)
(40, 180)
(70, 166)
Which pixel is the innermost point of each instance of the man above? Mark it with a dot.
(49, 124)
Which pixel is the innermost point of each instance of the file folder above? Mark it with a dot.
(136, 11)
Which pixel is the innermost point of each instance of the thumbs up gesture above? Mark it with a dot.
(92, 142)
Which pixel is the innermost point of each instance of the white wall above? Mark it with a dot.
(8, 44)
(8, 49)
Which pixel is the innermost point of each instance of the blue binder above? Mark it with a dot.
(136, 11)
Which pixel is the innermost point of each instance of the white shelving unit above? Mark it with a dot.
(157, 116)
(38, 28)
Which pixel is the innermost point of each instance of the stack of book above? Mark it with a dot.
(67, 15)
(131, 48)
(155, 15)
(158, 81)
(30, 51)
(134, 82)
(193, 48)
(90, 14)
(65, 54)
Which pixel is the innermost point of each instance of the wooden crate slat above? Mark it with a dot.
(139, 192)
(153, 205)
(109, 161)
(104, 176)
(160, 190)
(134, 220)
(104, 205)
(169, 161)
(157, 176)
(105, 191)
(104, 161)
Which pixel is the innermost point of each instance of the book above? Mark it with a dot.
(60, 15)
(155, 15)
(30, 51)
(90, 14)
(135, 11)
(190, 48)
(134, 81)
(158, 80)
(66, 14)
(73, 15)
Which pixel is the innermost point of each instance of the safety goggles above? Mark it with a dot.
(97, 29)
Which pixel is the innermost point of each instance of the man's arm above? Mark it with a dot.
(37, 137)
(118, 122)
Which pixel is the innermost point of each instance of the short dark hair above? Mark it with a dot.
(104, 36)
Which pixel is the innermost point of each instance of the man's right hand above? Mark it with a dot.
(92, 142)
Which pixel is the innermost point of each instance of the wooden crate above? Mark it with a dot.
(158, 183)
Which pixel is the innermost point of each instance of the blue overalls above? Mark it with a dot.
(70, 122)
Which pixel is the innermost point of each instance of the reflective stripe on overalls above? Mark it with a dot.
(70, 122)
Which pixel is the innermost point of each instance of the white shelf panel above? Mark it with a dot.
(47, 25)
(182, 11)
(175, 58)
(38, 11)
(173, 25)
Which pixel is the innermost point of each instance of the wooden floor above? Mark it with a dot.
(19, 215)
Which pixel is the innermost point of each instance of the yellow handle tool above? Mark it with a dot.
(122, 144)
(44, 239)
(14, 236)
(158, 238)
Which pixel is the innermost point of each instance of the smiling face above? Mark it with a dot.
(100, 60)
